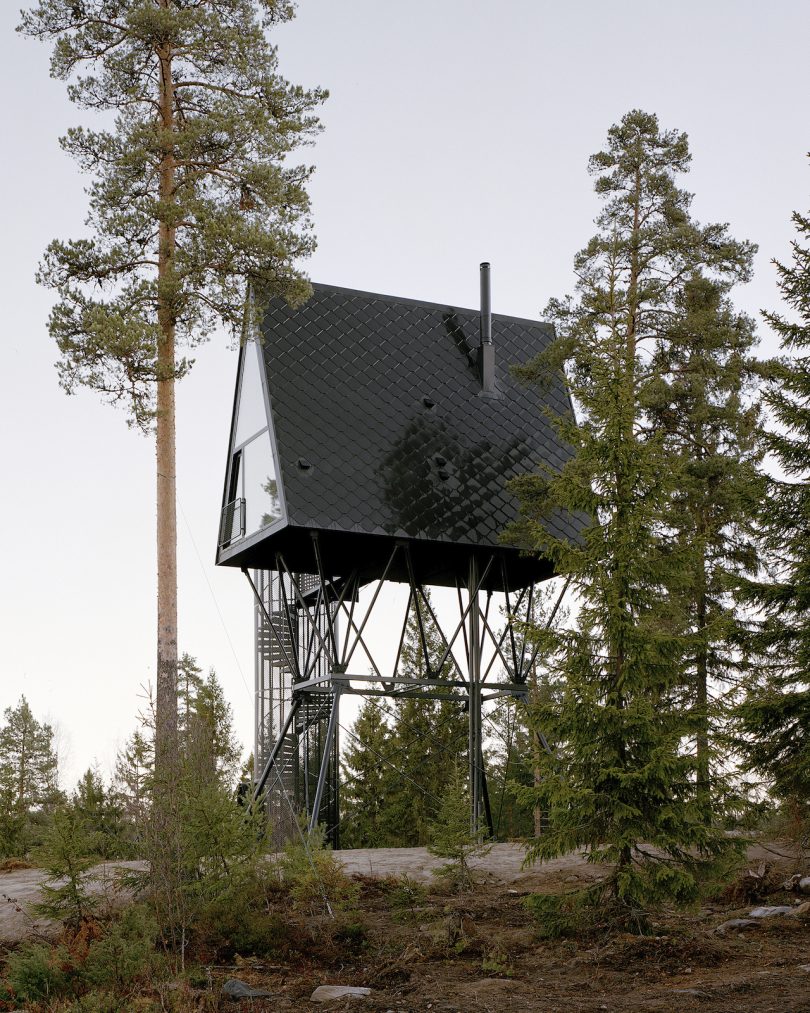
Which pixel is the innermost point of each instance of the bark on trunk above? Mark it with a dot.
(165, 445)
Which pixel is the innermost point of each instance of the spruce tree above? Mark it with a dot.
(620, 780)
(429, 736)
(207, 744)
(368, 780)
(775, 715)
(101, 810)
(134, 769)
(397, 772)
(707, 408)
(190, 200)
(450, 834)
(67, 855)
(511, 766)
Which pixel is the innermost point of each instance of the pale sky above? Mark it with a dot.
(457, 131)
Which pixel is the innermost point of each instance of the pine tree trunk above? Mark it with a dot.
(165, 445)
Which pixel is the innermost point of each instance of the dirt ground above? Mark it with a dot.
(428, 950)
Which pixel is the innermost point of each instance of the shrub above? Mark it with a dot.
(351, 935)
(314, 877)
(125, 952)
(38, 972)
(239, 918)
(583, 911)
(406, 897)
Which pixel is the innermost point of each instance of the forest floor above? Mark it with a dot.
(419, 948)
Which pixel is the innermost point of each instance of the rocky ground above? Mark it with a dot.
(422, 949)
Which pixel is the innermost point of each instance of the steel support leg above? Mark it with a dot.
(474, 664)
(326, 756)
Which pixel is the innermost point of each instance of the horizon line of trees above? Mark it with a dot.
(114, 813)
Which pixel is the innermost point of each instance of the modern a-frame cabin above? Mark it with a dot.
(372, 440)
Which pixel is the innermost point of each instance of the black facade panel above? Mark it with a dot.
(382, 431)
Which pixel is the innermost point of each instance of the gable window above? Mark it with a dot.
(253, 494)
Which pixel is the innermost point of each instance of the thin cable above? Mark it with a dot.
(214, 597)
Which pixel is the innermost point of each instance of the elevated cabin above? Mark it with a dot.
(373, 438)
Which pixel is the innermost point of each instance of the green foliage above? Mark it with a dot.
(406, 897)
(451, 836)
(67, 854)
(400, 759)
(368, 780)
(200, 842)
(567, 914)
(775, 716)
(497, 961)
(205, 721)
(315, 879)
(196, 846)
(209, 754)
(510, 765)
(134, 771)
(123, 955)
(125, 952)
(239, 918)
(101, 810)
(351, 934)
(28, 779)
(38, 972)
(620, 777)
(191, 194)
(706, 408)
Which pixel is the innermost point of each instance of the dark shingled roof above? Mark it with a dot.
(381, 398)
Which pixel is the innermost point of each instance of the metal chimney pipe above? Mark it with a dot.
(486, 306)
(486, 350)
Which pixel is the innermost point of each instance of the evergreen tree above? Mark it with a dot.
(518, 729)
(28, 777)
(396, 773)
(208, 751)
(101, 811)
(368, 780)
(429, 736)
(212, 746)
(190, 199)
(511, 765)
(134, 766)
(450, 834)
(67, 855)
(707, 409)
(620, 779)
(775, 715)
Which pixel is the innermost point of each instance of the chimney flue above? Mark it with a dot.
(486, 350)
(486, 306)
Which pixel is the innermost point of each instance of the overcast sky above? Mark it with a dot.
(456, 131)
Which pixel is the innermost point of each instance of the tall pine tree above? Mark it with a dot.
(621, 781)
(190, 199)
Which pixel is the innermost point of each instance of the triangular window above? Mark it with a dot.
(254, 499)
(251, 415)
